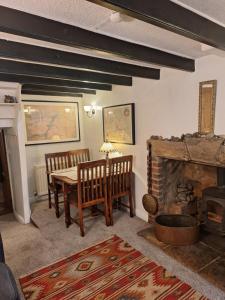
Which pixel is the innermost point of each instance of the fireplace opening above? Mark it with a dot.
(182, 185)
(214, 204)
(192, 189)
(187, 176)
(221, 177)
(214, 212)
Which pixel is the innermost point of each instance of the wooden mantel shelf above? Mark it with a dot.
(198, 149)
(8, 104)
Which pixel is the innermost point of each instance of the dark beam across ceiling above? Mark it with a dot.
(16, 50)
(173, 17)
(25, 79)
(15, 67)
(28, 25)
(58, 89)
(49, 93)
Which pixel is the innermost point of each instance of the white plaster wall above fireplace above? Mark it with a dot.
(166, 107)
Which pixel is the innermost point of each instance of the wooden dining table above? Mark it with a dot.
(65, 180)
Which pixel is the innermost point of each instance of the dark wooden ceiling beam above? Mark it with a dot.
(25, 79)
(173, 17)
(58, 89)
(28, 25)
(9, 49)
(49, 93)
(15, 67)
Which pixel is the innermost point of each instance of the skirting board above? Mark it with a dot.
(20, 219)
(32, 199)
(38, 198)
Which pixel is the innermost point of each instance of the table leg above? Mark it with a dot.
(56, 197)
(66, 205)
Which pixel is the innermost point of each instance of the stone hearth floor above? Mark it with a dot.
(206, 258)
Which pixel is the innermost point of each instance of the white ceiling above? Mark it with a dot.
(96, 18)
(213, 9)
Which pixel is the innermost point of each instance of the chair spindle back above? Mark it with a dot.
(57, 161)
(78, 156)
(92, 183)
(120, 171)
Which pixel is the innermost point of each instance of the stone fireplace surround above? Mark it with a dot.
(200, 156)
(193, 158)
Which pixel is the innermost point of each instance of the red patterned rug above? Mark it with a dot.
(109, 270)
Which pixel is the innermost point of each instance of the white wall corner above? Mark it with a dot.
(15, 144)
(140, 213)
(21, 219)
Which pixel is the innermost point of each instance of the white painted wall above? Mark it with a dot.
(166, 107)
(35, 153)
(14, 136)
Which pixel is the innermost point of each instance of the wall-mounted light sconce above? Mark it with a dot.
(29, 110)
(91, 110)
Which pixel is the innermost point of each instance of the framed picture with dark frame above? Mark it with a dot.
(51, 122)
(119, 124)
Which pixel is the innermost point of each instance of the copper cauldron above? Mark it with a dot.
(179, 230)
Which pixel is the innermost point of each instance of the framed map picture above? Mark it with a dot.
(51, 122)
(119, 124)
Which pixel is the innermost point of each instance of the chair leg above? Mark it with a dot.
(119, 206)
(131, 204)
(49, 199)
(56, 196)
(81, 221)
(107, 214)
(110, 208)
(66, 201)
(67, 213)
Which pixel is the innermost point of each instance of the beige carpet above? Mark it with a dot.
(28, 248)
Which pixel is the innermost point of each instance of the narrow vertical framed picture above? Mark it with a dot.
(119, 124)
(207, 104)
(51, 122)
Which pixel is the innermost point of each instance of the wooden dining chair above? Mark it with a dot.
(78, 156)
(92, 189)
(120, 182)
(55, 161)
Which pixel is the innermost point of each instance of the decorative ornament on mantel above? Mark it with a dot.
(10, 99)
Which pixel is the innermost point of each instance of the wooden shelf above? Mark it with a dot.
(8, 104)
